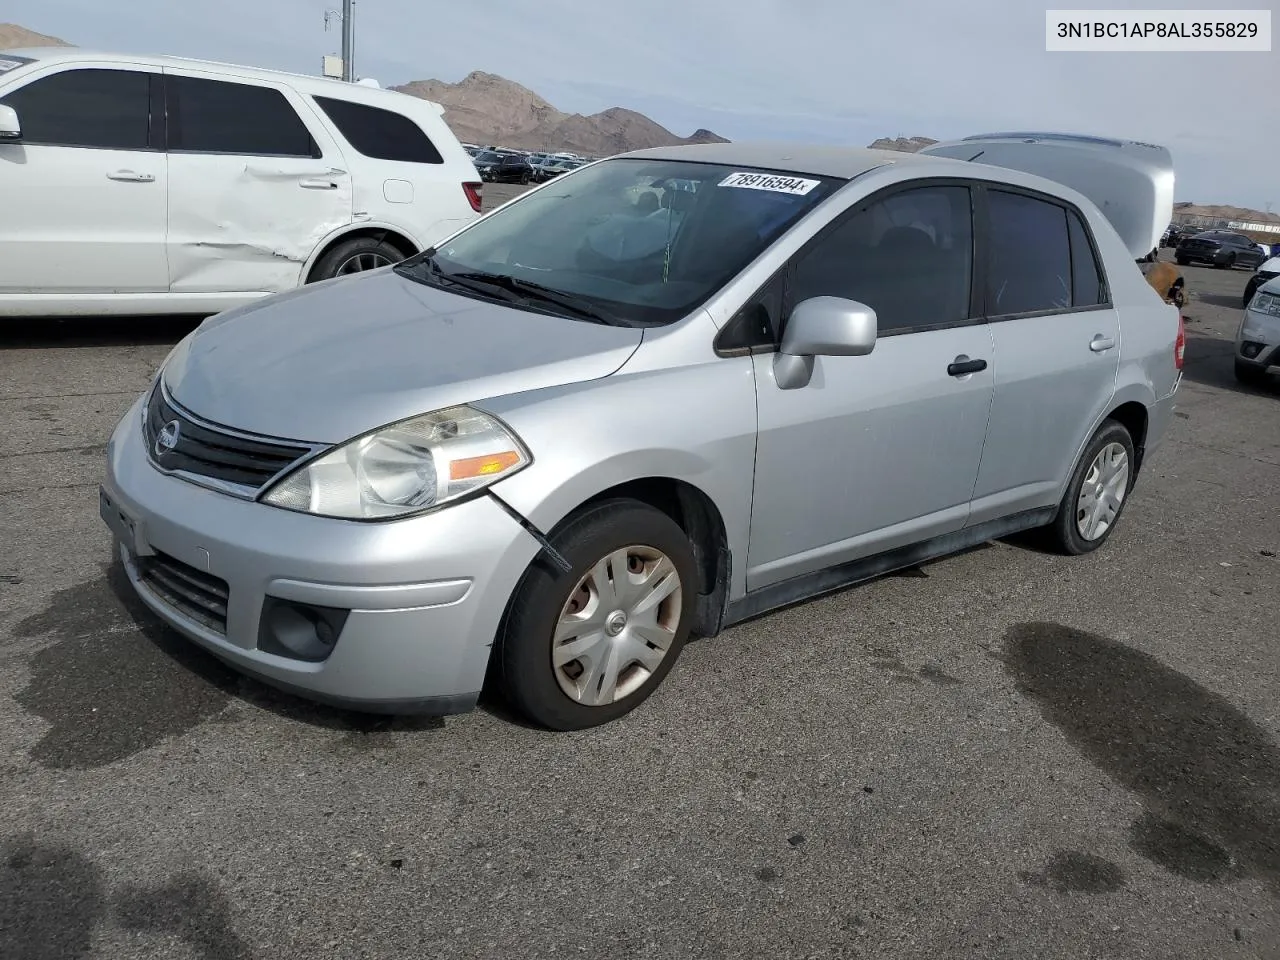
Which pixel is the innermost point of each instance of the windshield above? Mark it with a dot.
(644, 241)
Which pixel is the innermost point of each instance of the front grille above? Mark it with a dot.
(203, 450)
(197, 595)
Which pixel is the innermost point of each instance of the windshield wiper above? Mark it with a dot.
(468, 282)
(579, 306)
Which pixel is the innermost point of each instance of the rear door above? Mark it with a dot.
(83, 197)
(255, 184)
(1057, 344)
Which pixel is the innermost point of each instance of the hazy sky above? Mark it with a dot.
(825, 70)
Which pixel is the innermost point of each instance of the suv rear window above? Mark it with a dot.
(218, 116)
(380, 134)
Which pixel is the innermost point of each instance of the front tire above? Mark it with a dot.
(356, 256)
(1096, 495)
(583, 648)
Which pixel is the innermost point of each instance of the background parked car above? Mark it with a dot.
(246, 183)
(1173, 236)
(1222, 248)
(1268, 270)
(512, 168)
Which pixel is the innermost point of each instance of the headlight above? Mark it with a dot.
(404, 468)
(1267, 303)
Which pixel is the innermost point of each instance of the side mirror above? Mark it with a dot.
(10, 128)
(822, 327)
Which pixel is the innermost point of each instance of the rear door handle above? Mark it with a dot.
(318, 183)
(130, 176)
(962, 366)
(1100, 343)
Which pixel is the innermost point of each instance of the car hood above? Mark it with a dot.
(329, 361)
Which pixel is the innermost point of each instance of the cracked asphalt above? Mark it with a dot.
(1004, 754)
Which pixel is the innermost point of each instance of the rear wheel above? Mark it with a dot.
(586, 647)
(356, 256)
(1097, 492)
(1229, 263)
(1181, 261)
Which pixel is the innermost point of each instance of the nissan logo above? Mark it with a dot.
(167, 438)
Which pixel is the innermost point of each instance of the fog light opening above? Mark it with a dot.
(299, 631)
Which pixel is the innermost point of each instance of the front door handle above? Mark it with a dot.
(1100, 343)
(130, 176)
(962, 366)
(318, 183)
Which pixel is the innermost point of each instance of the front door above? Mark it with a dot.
(254, 187)
(83, 196)
(879, 451)
(1058, 340)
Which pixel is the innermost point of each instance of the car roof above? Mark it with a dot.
(318, 86)
(817, 160)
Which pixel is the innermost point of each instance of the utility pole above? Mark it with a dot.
(348, 41)
(347, 68)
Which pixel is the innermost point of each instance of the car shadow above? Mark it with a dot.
(36, 333)
(1211, 361)
(1218, 300)
(112, 680)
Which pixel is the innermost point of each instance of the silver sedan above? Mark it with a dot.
(660, 394)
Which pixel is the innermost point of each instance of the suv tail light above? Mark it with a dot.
(1180, 345)
(473, 192)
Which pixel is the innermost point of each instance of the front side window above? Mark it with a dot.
(380, 134)
(219, 116)
(1029, 266)
(627, 240)
(103, 109)
(908, 256)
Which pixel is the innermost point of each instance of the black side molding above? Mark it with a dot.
(811, 585)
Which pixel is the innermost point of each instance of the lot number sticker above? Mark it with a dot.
(768, 181)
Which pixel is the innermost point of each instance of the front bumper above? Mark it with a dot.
(1258, 342)
(425, 595)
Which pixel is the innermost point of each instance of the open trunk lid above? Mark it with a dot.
(1129, 181)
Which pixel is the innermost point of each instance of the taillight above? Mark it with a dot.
(1180, 345)
(472, 190)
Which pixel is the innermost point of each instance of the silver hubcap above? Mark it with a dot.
(617, 626)
(362, 262)
(1102, 492)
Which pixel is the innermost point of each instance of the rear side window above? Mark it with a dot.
(105, 109)
(1029, 263)
(217, 116)
(380, 134)
(1087, 286)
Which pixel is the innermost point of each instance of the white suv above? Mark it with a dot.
(161, 185)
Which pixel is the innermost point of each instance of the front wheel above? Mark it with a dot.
(586, 647)
(1097, 492)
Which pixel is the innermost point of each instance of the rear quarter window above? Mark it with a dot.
(380, 134)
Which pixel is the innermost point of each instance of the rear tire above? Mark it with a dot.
(356, 256)
(1106, 473)
(1181, 261)
(611, 605)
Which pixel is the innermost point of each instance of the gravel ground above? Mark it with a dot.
(1024, 756)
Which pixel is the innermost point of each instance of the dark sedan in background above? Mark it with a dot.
(1221, 248)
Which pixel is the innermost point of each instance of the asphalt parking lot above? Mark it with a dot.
(1004, 754)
